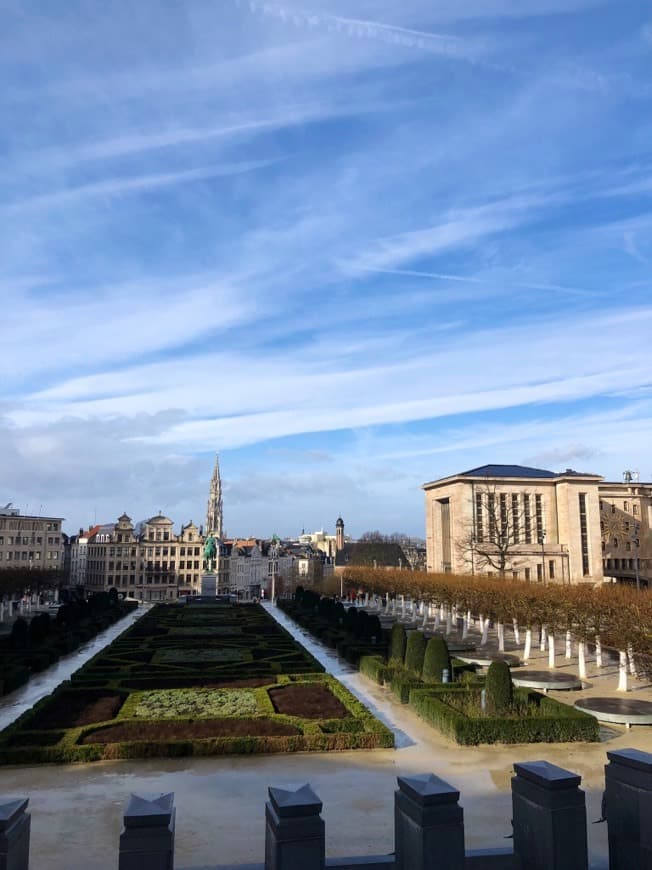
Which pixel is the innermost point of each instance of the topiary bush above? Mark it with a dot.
(436, 660)
(499, 688)
(19, 637)
(373, 628)
(397, 643)
(415, 651)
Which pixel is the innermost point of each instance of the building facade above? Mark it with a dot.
(30, 542)
(148, 561)
(538, 525)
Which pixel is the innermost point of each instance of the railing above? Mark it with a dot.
(548, 818)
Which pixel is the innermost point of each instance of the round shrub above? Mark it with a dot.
(19, 637)
(351, 619)
(298, 594)
(373, 628)
(436, 660)
(415, 651)
(499, 688)
(39, 628)
(361, 625)
(397, 643)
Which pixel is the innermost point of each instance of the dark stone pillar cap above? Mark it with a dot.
(635, 758)
(295, 803)
(10, 810)
(149, 810)
(428, 789)
(547, 775)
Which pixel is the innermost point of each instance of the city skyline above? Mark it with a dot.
(351, 246)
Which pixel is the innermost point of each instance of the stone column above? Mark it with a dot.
(429, 824)
(294, 831)
(549, 817)
(14, 834)
(147, 839)
(628, 782)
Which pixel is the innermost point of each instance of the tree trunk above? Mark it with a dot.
(517, 636)
(449, 621)
(528, 645)
(569, 645)
(485, 632)
(542, 638)
(581, 655)
(622, 671)
(632, 663)
(465, 625)
(598, 651)
(501, 637)
(551, 650)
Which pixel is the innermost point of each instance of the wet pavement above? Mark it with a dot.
(77, 809)
(16, 703)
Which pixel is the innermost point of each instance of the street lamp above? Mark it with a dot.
(636, 543)
(542, 541)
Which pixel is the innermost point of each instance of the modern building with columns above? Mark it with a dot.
(538, 525)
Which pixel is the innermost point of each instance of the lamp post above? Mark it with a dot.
(636, 544)
(542, 541)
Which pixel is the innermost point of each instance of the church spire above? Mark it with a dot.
(214, 509)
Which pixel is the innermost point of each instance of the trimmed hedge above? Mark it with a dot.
(415, 651)
(376, 669)
(560, 724)
(397, 643)
(499, 688)
(436, 660)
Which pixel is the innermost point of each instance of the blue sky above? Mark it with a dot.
(352, 245)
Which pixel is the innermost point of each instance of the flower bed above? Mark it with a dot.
(158, 691)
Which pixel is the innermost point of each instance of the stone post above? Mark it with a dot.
(294, 831)
(429, 824)
(549, 818)
(14, 834)
(147, 839)
(628, 782)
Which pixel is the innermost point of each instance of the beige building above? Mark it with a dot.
(30, 542)
(149, 562)
(521, 522)
(626, 529)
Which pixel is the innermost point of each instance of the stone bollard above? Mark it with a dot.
(549, 818)
(294, 831)
(14, 834)
(628, 783)
(147, 839)
(429, 824)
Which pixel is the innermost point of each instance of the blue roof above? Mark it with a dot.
(511, 471)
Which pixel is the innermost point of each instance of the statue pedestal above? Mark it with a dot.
(209, 585)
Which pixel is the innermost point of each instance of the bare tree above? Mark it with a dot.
(503, 524)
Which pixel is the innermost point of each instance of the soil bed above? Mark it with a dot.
(74, 709)
(308, 700)
(188, 730)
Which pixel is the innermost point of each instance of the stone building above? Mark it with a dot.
(537, 525)
(148, 561)
(79, 555)
(30, 542)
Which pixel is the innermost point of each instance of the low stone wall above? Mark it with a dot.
(548, 817)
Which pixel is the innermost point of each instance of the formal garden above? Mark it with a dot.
(194, 679)
(455, 697)
(33, 645)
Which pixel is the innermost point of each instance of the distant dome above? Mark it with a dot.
(340, 523)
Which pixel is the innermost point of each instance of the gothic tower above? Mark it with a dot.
(214, 509)
(339, 534)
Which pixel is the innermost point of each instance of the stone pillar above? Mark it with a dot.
(429, 824)
(549, 818)
(147, 839)
(294, 831)
(14, 834)
(628, 782)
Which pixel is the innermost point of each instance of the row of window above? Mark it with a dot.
(28, 525)
(507, 519)
(626, 507)
(28, 556)
(111, 552)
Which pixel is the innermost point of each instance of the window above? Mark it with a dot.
(479, 530)
(615, 542)
(539, 571)
(613, 508)
(538, 500)
(503, 517)
(551, 569)
(584, 535)
(527, 519)
(628, 546)
(528, 573)
(516, 532)
(635, 510)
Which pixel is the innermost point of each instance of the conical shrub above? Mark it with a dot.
(397, 643)
(415, 651)
(499, 688)
(436, 660)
